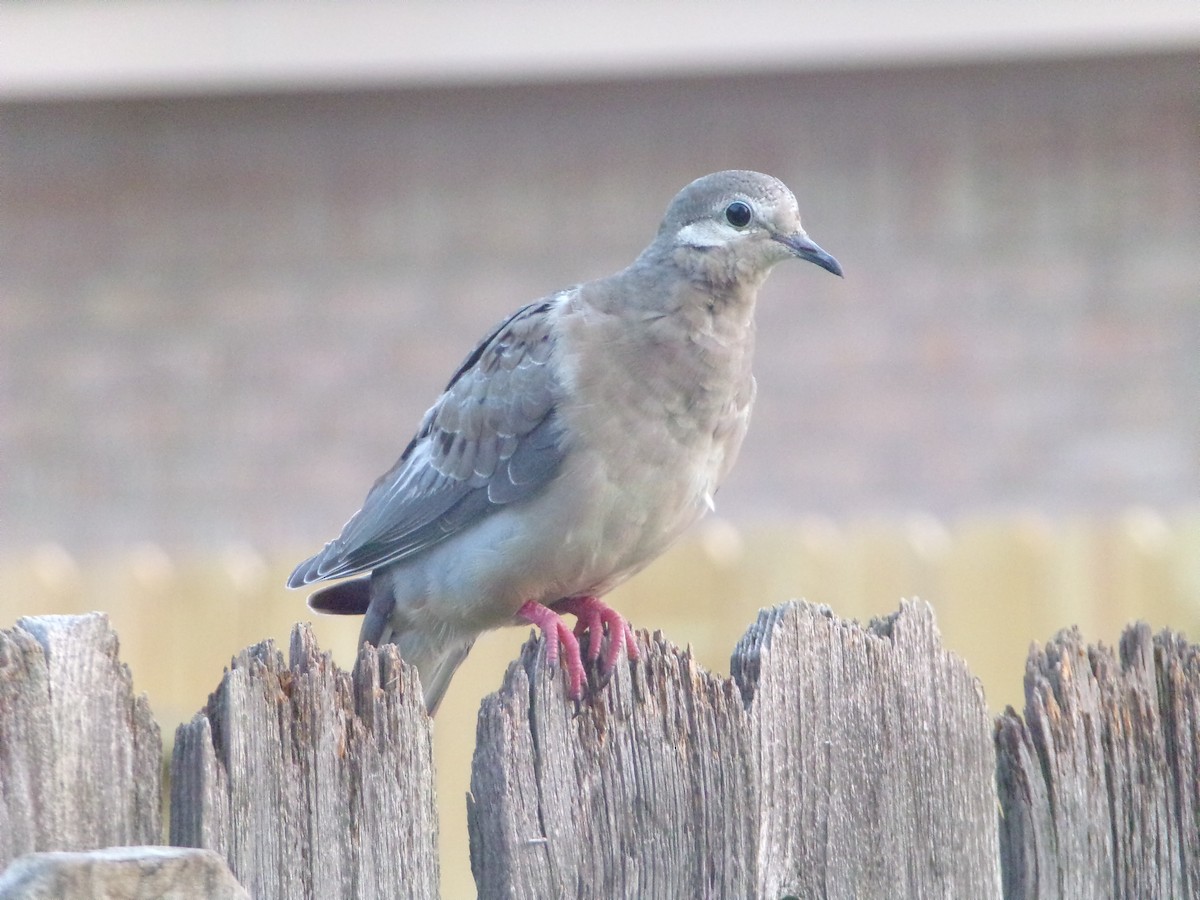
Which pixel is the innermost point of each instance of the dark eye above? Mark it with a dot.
(738, 214)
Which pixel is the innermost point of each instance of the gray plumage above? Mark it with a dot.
(576, 442)
(491, 439)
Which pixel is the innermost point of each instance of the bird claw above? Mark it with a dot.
(558, 635)
(594, 619)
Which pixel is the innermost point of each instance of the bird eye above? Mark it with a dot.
(738, 214)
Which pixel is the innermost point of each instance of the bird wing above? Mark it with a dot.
(491, 439)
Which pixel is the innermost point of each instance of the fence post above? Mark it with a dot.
(80, 756)
(164, 873)
(650, 791)
(875, 748)
(1100, 783)
(311, 781)
(839, 761)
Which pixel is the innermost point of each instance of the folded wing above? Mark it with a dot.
(493, 438)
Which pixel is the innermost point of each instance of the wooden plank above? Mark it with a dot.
(311, 781)
(1100, 782)
(164, 873)
(80, 756)
(1177, 676)
(649, 791)
(875, 756)
(841, 762)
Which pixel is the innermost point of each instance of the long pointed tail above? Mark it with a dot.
(437, 670)
(436, 658)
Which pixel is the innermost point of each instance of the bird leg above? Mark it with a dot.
(594, 617)
(557, 632)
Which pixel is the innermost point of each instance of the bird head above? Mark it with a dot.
(733, 227)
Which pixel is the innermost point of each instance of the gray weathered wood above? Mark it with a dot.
(839, 762)
(312, 782)
(876, 758)
(1100, 783)
(80, 756)
(648, 792)
(164, 873)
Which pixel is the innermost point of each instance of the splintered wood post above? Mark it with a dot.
(840, 761)
(80, 756)
(1100, 783)
(649, 792)
(875, 750)
(311, 781)
(165, 873)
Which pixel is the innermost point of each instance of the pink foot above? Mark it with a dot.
(557, 632)
(594, 617)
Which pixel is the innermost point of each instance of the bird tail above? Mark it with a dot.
(437, 672)
(436, 659)
(436, 662)
(345, 598)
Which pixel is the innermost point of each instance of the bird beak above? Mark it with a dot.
(804, 248)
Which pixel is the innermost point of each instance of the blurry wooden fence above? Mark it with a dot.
(996, 584)
(837, 761)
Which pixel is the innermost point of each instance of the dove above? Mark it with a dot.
(573, 445)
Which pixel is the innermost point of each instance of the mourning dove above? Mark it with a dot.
(574, 444)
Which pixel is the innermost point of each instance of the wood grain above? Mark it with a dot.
(837, 762)
(311, 781)
(1100, 781)
(80, 755)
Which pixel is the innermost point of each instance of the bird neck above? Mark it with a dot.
(704, 286)
(719, 271)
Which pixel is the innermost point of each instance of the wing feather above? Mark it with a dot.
(493, 438)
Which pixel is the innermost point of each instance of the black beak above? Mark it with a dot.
(804, 248)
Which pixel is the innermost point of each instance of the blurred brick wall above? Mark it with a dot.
(221, 318)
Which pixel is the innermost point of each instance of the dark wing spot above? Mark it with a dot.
(411, 444)
(496, 336)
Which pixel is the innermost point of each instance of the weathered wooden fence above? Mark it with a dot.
(837, 761)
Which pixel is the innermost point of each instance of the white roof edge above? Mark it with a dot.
(80, 48)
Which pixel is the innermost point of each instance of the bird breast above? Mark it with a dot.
(657, 412)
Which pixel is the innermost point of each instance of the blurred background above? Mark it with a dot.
(244, 244)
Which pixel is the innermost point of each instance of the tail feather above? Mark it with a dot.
(346, 598)
(436, 675)
(436, 658)
(436, 662)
